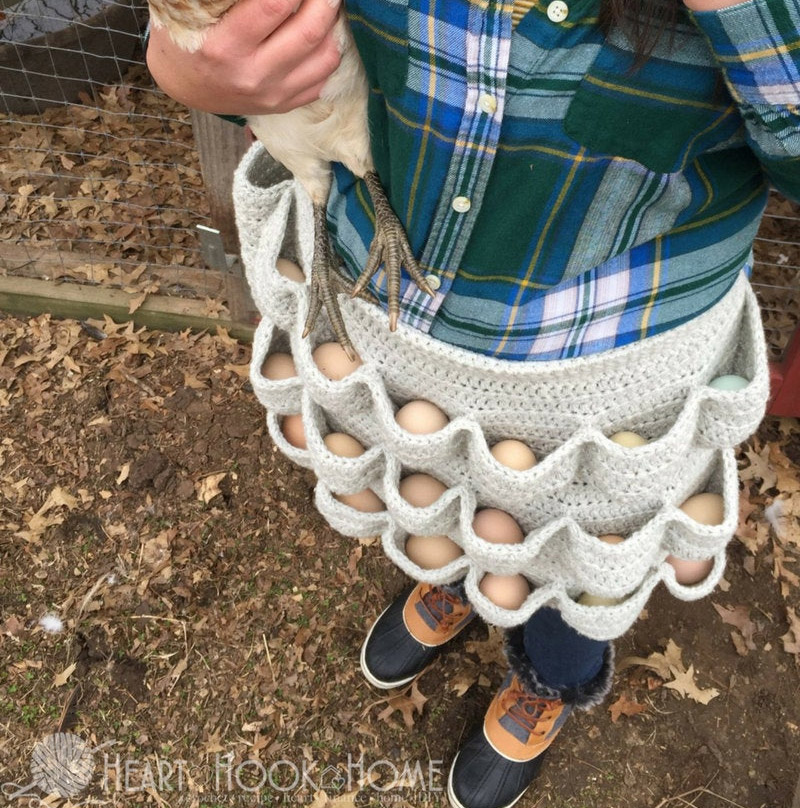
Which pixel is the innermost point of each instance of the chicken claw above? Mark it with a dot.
(390, 247)
(326, 283)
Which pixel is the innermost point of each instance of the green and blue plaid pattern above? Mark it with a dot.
(605, 204)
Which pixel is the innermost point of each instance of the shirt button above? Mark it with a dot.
(557, 11)
(461, 204)
(488, 103)
(433, 281)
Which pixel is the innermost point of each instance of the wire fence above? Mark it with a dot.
(776, 273)
(100, 181)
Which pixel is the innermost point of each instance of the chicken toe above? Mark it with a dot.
(389, 247)
(325, 285)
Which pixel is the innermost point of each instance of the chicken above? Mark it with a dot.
(306, 140)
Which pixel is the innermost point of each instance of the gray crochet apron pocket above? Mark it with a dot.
(438, 518)
(278, 395)
(583, 486)
(393, 541)
(343, 475)
(345, 519)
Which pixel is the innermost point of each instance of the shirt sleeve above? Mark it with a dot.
(757, 45)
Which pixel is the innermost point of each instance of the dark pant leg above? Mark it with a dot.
(561, 656)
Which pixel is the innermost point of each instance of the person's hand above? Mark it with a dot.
(260, 58)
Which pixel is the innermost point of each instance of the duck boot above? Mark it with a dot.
(499, 762)
(411, 631)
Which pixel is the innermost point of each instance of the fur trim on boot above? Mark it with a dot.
(457, 588)
(582, 697)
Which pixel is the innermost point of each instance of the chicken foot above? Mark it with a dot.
(324, 280)
(389, 246)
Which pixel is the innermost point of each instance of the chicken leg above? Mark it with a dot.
(389, 246)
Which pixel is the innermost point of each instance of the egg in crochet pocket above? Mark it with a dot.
(584, 485)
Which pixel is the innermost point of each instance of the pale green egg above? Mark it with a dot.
(728, 383)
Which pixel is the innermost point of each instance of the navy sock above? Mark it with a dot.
(560, 655)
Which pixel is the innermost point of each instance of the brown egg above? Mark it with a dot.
(497, 526)
(290, 270)
(278, 366)
(630, 440)
(690, 572)
(514, 454)
(421, 418)
(587, 599)
(707, 509)
(421, 490)
(366, 501)
(332, 361)
(432, 552)
(611, 538)
(339, 443)
(507, 591)
(293, 430)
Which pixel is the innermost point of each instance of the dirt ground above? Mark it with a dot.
(211, 622)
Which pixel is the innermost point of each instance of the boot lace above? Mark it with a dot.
(436, 601)
(533, 713)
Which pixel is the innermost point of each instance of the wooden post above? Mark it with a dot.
(220, 146)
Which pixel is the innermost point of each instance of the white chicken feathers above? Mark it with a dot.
(306, 140)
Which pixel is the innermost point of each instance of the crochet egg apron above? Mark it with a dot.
(583, 486)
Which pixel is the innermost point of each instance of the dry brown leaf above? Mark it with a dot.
(685, 685)
(169, 680)
(191, 381)
(213, 745)
(61, 678)
(461, 682)
(406, 704)
(243, 371)
(759, 468)
(662, 664)
(13, 626)
(208, 487)
(669, 666)
(786, 472)
(135, 302)
(625, 705)
(739, 617)
(746, 532)
(39, 522)
(490, 650)
(158, 549)
(791, 640)
(780, 571)
(124, 471)
(352, 563)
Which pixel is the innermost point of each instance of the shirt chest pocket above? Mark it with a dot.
(380, 29)
(662, 115)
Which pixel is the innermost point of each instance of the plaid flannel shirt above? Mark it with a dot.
(563, 202)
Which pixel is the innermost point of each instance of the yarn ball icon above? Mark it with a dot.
(62, 764)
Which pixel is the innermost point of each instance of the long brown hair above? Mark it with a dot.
(643, 21)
